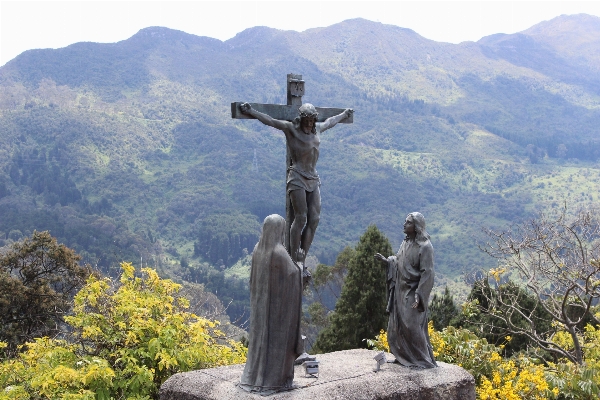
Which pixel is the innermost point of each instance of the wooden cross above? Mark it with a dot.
(287, 112)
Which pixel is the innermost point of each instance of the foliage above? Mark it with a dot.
(38, 278)
(318, 315)
(467, 350)
(483, 296)
(129, 338)
(54, 369)
(326, 286)
(442, 310)
(327, 281)
(578, 381)
(222, 237)
(558, 260)
(515, 380)
(516, 377)
(207, 305)
(360, 310)
(231, 290)
(380, 342)
(495, 377)
(41, 171)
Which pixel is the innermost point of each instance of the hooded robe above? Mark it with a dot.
(274, 340)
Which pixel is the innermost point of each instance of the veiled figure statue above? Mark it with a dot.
(409, 281)
(274, 340)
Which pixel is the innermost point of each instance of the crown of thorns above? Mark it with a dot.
(308, 110)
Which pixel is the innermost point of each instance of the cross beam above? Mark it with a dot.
(289, 111)
(285, 112)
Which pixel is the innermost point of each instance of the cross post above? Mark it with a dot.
(287, 112)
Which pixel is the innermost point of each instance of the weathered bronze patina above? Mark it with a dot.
(301, 124)
(409, 281)
(274, 340)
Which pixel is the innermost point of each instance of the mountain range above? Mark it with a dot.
(128, 151)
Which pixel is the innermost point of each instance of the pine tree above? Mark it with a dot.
(360, 311)
(442, 310)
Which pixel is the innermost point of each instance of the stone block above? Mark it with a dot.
(343, 375)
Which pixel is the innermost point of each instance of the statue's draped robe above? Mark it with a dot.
(410, 271)
(276, 302)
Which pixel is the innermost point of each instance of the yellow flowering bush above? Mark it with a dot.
(129, 339)
(515, 380)
(575, 381)
(380, 342)
(591, 344)
(53, 369)
(463, 348)
(454, 346)
(495, 377)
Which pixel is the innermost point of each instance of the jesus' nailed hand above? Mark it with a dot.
(302, 136)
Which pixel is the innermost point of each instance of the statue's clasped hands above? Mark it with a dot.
(416, 303)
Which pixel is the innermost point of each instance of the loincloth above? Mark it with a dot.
(298, 179)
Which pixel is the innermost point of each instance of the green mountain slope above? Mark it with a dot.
(127, 150)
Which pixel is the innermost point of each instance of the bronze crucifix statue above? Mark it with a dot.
(301, 124)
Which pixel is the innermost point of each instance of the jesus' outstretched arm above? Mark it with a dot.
(333, 121)
(264, 118)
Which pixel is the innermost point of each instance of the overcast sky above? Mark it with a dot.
(52, 24)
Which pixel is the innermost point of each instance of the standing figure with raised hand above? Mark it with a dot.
(409, 281)
(302, 136)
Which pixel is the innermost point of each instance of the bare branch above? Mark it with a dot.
(554, 257)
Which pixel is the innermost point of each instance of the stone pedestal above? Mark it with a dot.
(343, 375)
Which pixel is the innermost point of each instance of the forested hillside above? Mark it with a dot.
(127, 151)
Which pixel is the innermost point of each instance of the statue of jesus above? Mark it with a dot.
(302, 136)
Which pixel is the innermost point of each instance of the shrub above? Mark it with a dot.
(128, 339)
(495, 377)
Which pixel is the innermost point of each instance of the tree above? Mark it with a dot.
(494, 329)
(442, 310)
(360, 311)
(557, 260)
(38, 279)
(329, 280)
(327, 283)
